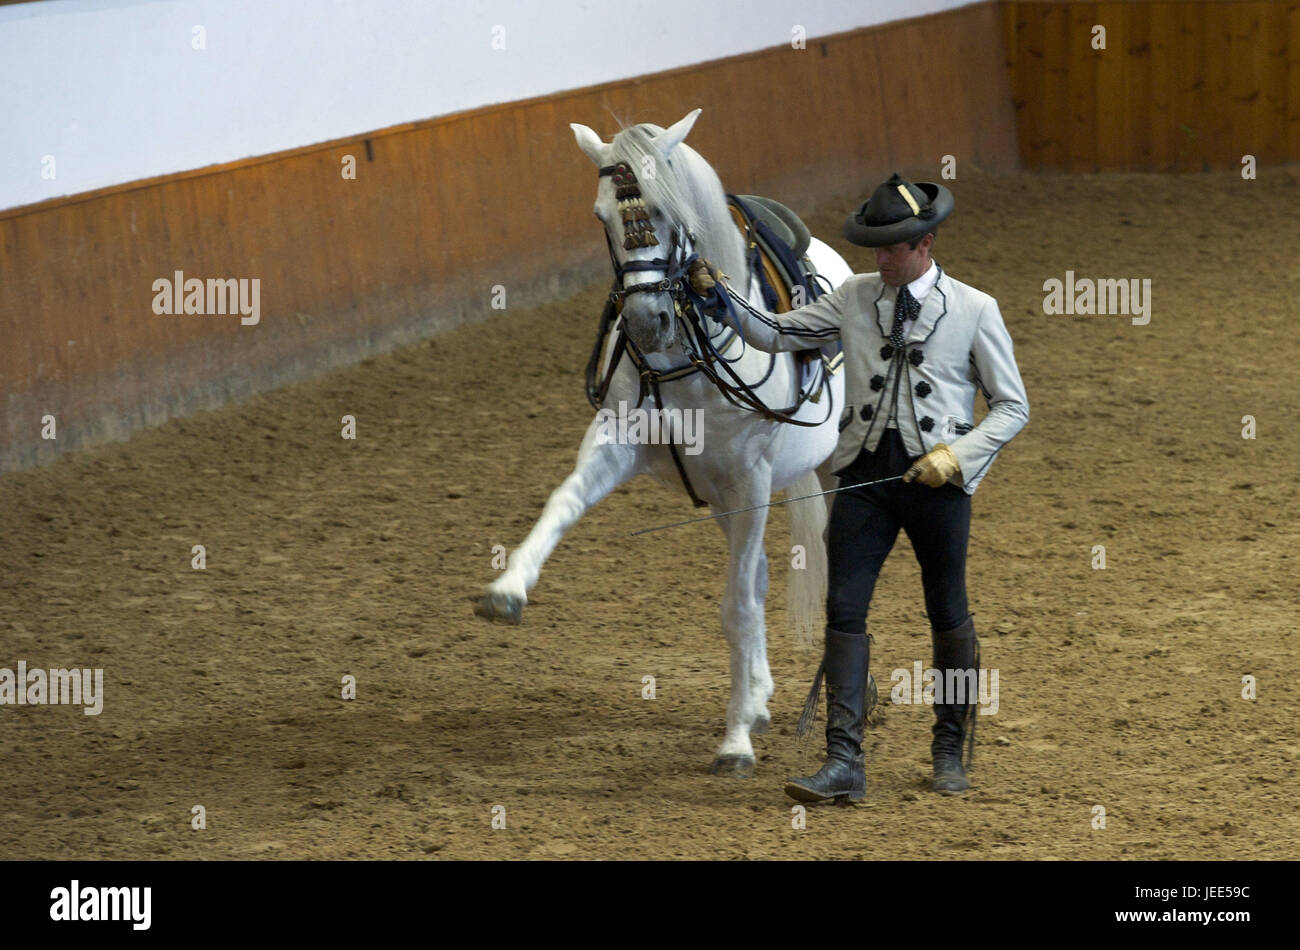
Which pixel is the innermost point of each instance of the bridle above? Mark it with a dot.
(639, 231)
(704, 350)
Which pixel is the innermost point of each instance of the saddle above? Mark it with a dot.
(777, 241)
(788, 226)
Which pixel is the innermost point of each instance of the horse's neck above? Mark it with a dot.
(749, 286)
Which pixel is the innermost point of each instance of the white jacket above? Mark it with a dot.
(957, 343)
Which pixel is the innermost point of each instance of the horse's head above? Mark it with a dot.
(649, 200)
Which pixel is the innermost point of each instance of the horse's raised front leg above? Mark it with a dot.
(743, 625)
(600, 468)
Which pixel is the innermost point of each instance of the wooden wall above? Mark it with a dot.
(1183, 85)
(444, 210)
(440, 212)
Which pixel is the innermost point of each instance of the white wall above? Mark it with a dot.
(115, 91)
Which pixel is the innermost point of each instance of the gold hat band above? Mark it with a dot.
(911, 202)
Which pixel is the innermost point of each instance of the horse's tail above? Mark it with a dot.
(807, 583)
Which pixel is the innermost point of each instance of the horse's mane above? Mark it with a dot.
(687, 190)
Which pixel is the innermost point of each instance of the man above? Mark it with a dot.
(917, 345)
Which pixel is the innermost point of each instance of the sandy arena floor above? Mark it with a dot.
(1119, 687)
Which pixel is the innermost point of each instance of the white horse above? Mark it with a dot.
(744, 457)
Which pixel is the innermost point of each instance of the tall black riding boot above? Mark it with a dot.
(844, 776)
(955, 649)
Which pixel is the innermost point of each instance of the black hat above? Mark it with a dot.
(888, 217)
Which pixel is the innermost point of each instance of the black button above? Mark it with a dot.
(923, 389)
(866, 412)
(916, 357)
(877, 382)
(927, 424)
(886, 351)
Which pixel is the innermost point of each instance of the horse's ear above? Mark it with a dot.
(672, 136)
(590, 143)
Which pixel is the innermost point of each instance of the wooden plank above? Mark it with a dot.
(1027, 42)
(1246, 106)
(1112, 87)
(1291, 144)
(1083, 61)
(904, 100)
(1273, 83)
(1045, 88)
(1137, 88)
(1163, 39)
(985, 90)
(1187, 88)
(1215, 135)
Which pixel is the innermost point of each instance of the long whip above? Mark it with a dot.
(783, 501)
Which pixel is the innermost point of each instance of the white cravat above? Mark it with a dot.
(918, 289)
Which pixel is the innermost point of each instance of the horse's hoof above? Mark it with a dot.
(760, 725)
(502, 607)
(733, 766)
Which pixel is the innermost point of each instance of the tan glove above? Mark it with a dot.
(935, 467)
(704, 276)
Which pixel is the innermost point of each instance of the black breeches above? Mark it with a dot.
(864, 523)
